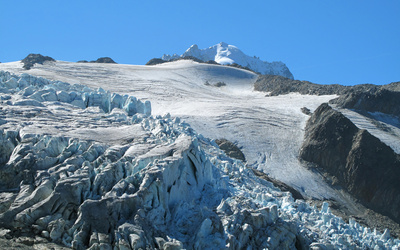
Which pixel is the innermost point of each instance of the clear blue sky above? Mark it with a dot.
(323, 41)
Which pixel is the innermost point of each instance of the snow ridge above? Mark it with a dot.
(165, 187)
(226, 54)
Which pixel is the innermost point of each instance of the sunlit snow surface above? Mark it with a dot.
(61, 119)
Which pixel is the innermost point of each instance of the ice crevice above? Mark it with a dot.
(164, 186)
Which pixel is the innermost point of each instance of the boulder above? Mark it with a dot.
(230, 149)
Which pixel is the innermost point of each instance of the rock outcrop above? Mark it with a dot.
(230, 149)
(99, 60)
(279, 85)
(377, 100)
(155, 61)
(394, 86)
(104, 60)
(358, 161)
(282, 186)
(32, 59)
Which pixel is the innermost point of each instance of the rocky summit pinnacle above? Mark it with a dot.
(226, 54)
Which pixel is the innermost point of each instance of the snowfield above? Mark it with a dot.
(95, 141)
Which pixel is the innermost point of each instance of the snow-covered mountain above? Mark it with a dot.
(87, 161)
(226, 54)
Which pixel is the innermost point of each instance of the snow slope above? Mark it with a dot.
(268, 129)
(224, 54)
(86, 167)
(383, 126)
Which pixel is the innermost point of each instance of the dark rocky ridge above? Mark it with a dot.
(362, 97)
(104, 60)
(377, 100)
(394, 86)
(99, 60)
(279, 85)
(156, 61)
(367, 168)
(32, 59)
(235, 65)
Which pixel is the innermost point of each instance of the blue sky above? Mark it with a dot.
(342, 41)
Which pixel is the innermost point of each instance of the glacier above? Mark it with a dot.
(268, 129)
(88, 168)
(226, 54)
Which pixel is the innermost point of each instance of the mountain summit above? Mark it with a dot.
(224, 53)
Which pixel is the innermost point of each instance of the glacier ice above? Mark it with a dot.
(144, 181)
(33, 91)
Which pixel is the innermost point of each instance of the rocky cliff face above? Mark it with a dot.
(361, 163)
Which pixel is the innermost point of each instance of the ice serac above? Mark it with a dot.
(226, 54)
(365, 166)
(33, 91)
(161, 191)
